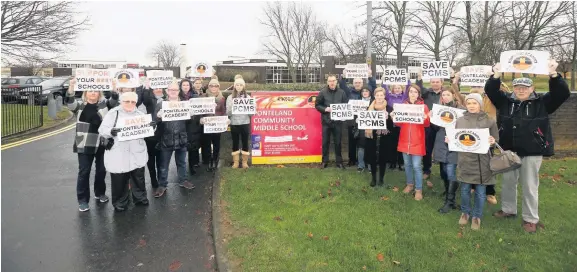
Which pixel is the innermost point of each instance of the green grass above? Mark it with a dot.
(271, 211)
(22, 114)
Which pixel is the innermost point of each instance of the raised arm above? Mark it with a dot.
(492, 88)
(558, 89)
(372, 82)
(343, 85)
(72, 103)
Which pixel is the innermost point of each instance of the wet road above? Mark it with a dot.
(42, 229)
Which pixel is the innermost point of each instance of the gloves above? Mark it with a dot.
(114, 95)
(114, 132)
(153, 124)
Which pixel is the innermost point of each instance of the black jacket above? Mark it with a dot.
(524, 127)
(171, 135)
(327, 97)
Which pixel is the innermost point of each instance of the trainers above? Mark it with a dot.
(502, 214)
(187, 185)
(491, 199)
(159, 192)
(464, 219)
(360, 170)
(429, 184)
(102, 198)
(476, 223)
(408, 188)
(418, 195)
(83, 207)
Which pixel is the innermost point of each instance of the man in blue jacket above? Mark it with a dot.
(524, 127)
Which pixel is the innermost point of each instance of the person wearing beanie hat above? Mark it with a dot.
(220, 110)
(474, 169)
(239, 125)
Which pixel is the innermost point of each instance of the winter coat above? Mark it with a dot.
(124, 156)
(430, 96)
(87, 138)
(412, 136)
(475, 168)
(172, 135)
(392, 98)
(524, 127)
(194, 131)
(441, 151)
(324, 100)
(354, 94)
(237, 119)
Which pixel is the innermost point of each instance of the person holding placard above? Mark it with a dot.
(173, 138)
(525, 128)
(360, 134)
(412, 144)
(204, 139)
(151, 98)
(447, 159)
(88, 144)
(376, 142)
(125, 160)
(474, 169)
(214, 138)
(331, 94)
(239, 126)
(396, 94)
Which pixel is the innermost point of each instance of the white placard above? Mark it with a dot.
(93, 80)
(444, 116)
(201, 69)
(395, 77)
(359, 105)
(341, 112)
(475, 75)
(215, 124)
(160, 79)
(244, 106)
(469, 140)
(202, 105)
(372, 119)
(175, 110)
(136, 127)
(356, 70)
(525, 61)
(126, 78)
(409, 113)
(435, 69)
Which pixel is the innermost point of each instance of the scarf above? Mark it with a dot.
(377, 107)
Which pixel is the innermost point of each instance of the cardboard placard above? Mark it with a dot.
(372, 120)
(215, 124)
(175, 110)
(359, 105)
(395, 77)
(409, 113)
(435, 69)
(469, 140)
(126, 78)
(444, 116)
(356, 70)
(160, 79)
(132, 128)
(93, 80)
(202, 105)
(475, 75)
(243, 106)
(342, 112)
(525, 61)
(201, 69)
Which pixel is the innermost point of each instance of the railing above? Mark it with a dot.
(22, 109)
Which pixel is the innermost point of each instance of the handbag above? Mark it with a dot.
(505, 161)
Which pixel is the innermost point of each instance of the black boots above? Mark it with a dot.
(446, 182)
(213, 163)
(381, 180)
(373, 176)
(450, 198)
(382, 169)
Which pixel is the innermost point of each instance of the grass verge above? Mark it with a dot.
(18, 117)
(299, 219)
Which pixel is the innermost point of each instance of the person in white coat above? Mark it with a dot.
(124, 160)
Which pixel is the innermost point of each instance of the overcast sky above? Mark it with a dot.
(126, 30)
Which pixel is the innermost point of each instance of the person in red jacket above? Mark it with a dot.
(412, 145)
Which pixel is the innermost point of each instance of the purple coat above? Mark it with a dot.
(392, 98)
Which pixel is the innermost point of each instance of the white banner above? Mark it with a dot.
(525, 61)
(202, 105)
(132, 128)
(126, 78)
(201, 69)
(356, 70)
(215, 124)
(409, 113)
(160, 79)
(444, 116)
(395, 77)
(372, 119)
(475, 75)
(435, 69)
(243, 106)
(469, 140)
(93, 80)
(359, 105)
(341, 112)
(175, 110)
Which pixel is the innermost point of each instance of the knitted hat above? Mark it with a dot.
(477, 97)
(213, 82)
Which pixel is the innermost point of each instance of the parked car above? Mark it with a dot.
(12, 86)
(56, 86)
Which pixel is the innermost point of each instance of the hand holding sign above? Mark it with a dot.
(114, 131)
(497, 70)
(553, 67)
(491, 140)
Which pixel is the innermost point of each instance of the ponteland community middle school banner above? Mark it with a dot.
(286, 128)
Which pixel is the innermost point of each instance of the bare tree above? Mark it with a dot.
(30, 30)
(346, 43)
(308, 35)
(433, 19)
(281, 33)
(395, 18)
(167, 53)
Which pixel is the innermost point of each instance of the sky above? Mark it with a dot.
(213, 31)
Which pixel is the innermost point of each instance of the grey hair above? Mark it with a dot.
(129, 96)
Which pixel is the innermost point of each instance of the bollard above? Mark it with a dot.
(51, 104)
(58, 103)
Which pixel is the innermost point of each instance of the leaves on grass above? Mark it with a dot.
(556, 177)
(307, 222)
(364, 190)
(450, 254)
(562, 169)
(338, 183)
(395, 189)
(278, 218)
(397, 262)
(384, 198)
(332, 184)
(280, 166)
(364, 267)
(380, 257)
(322, 196)
(310, 235)
(329, 193)
(477, 246)
(325, 238)
(175, 265)
(572, 182)
(460, 235)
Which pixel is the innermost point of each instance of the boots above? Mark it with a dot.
(382, 170)
(235, 159)
(373, 177)
(446, 183)
(245, 155)
(450, 199)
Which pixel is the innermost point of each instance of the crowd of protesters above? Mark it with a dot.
(517, 121)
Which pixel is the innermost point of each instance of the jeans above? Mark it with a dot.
(479, 199)
(83, 182)
(242, 132)
(413, 170)
(334, 128)
(361, 157)
(165, 157)
(449, 171)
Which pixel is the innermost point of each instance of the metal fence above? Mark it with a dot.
(22, 109)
